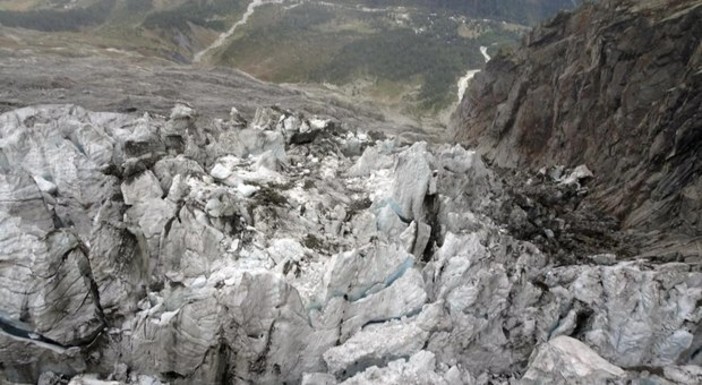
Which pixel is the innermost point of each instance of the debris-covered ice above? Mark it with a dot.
(149, 250)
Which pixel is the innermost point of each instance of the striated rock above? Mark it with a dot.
(565, 360)
(247, 142)
(141, 188)
(380, 343)
(418, 369)
(373, 158)
(579, 174)
(93, 380)
(614, 85)
(271, 262)
(265, 119)
(169, 168)
(691, 374)
(409, 192)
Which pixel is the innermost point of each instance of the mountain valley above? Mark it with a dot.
(289, 192)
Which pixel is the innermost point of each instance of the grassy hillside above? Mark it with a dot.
(216, 15)
(51, 19)
(182, 26)
(372, 52)
(403, 53)
(527, 12)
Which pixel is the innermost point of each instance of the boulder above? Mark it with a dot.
(565, 360)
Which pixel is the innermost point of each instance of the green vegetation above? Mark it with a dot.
(302, 45)
(139, 6)
(401, 54)
(284, 46)
(527, 12)
(407, 54)
(203, 13)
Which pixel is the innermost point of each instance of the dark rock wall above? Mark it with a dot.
(616, 85)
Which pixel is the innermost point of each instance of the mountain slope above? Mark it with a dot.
(407, 55)
(222, 230)
(517, 11)
(616, 86)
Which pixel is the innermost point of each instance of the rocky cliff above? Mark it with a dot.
(615, 85)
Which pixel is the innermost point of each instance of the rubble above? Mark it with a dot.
(257, 258)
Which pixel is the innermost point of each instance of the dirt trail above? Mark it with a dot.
(226, 35)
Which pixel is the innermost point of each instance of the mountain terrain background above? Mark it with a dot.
(405, 56)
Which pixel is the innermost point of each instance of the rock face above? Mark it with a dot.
(568, 360)
(614, 85)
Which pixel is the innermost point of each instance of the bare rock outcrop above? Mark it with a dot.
(614, 85)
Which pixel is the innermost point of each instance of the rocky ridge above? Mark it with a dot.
(614, 85)
(153, 249)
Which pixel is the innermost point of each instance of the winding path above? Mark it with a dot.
(226, 35)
